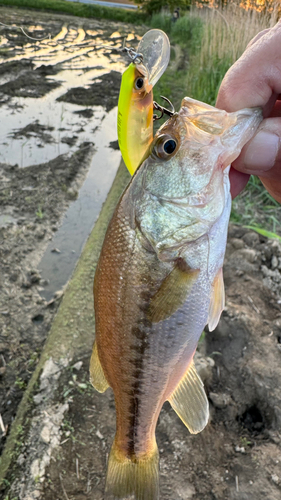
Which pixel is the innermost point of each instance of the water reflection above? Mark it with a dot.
(35, 130)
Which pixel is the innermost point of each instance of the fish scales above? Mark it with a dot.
(159, 282)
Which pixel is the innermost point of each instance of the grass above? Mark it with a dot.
(257, 209)
(225, 37)
(79, 9)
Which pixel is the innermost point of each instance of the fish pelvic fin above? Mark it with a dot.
(132, 478)
(173, 292)
(217, 302)
(190, 401)
(97, 376)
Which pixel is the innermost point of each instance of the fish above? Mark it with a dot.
(159, 282)
(135, 103)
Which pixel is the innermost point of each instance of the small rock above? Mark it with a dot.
(251, 239)
(239, 272)
(267, 252)
(99, 434)
(35, 277)
(276, 247)
(248, 254)
(221, 400)
(72, 194)
(2, 370)
(275, 478)
(274, 262)
(204, 367)
(58, 294)
(40, 233)
(240, 449)
(55, 250)
(14, 276)
(45, 434)
(237, 244)
(78, 365)
(21, 459)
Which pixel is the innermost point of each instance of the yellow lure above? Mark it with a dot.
(135, 115)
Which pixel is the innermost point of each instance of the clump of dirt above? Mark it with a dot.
(34, 129)
(37, 87)
(108, 84)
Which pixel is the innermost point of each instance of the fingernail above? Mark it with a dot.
(261, 151)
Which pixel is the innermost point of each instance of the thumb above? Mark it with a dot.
(262, 156)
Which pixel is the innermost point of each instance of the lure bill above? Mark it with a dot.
(135, 105)
(159, 281)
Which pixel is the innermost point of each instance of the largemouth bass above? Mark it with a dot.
(159, 282)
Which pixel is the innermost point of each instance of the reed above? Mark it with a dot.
(225, 36)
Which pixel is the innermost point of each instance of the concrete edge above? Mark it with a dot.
(71, 332)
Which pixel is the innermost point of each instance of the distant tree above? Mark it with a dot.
(152, 6)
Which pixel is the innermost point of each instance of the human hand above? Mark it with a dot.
(255, 80)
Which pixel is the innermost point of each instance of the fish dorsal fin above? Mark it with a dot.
(173, 292)
(190, 401)
(97, 376)
(217, 301)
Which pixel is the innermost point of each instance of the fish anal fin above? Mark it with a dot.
(173, 292)
(97, 376)
(132, 478)
(217, 301)
(190, 402)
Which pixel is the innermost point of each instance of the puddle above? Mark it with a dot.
(45, 90)
(56, 266)
(76, 60)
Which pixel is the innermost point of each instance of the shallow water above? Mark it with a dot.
(35, 130)
(78, 61)
(82, 214)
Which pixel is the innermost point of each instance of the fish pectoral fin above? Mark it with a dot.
(172, 293)
(97, 376)
(190, 402)
(217, 301)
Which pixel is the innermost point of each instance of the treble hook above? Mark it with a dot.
(163, 110)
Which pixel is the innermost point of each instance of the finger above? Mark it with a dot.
(257, 37)
(238, 181)
(262, 156)
(255, 77)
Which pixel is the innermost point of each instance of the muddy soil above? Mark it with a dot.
(35, 194)
(238, 455)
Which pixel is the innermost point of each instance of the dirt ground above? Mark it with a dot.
(238, 455)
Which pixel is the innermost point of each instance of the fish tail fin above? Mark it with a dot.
(132, 479)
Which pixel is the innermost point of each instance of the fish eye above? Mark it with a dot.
(139, 83)
(165, 146)
(169, 146)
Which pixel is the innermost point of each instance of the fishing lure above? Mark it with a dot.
(135, 105)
